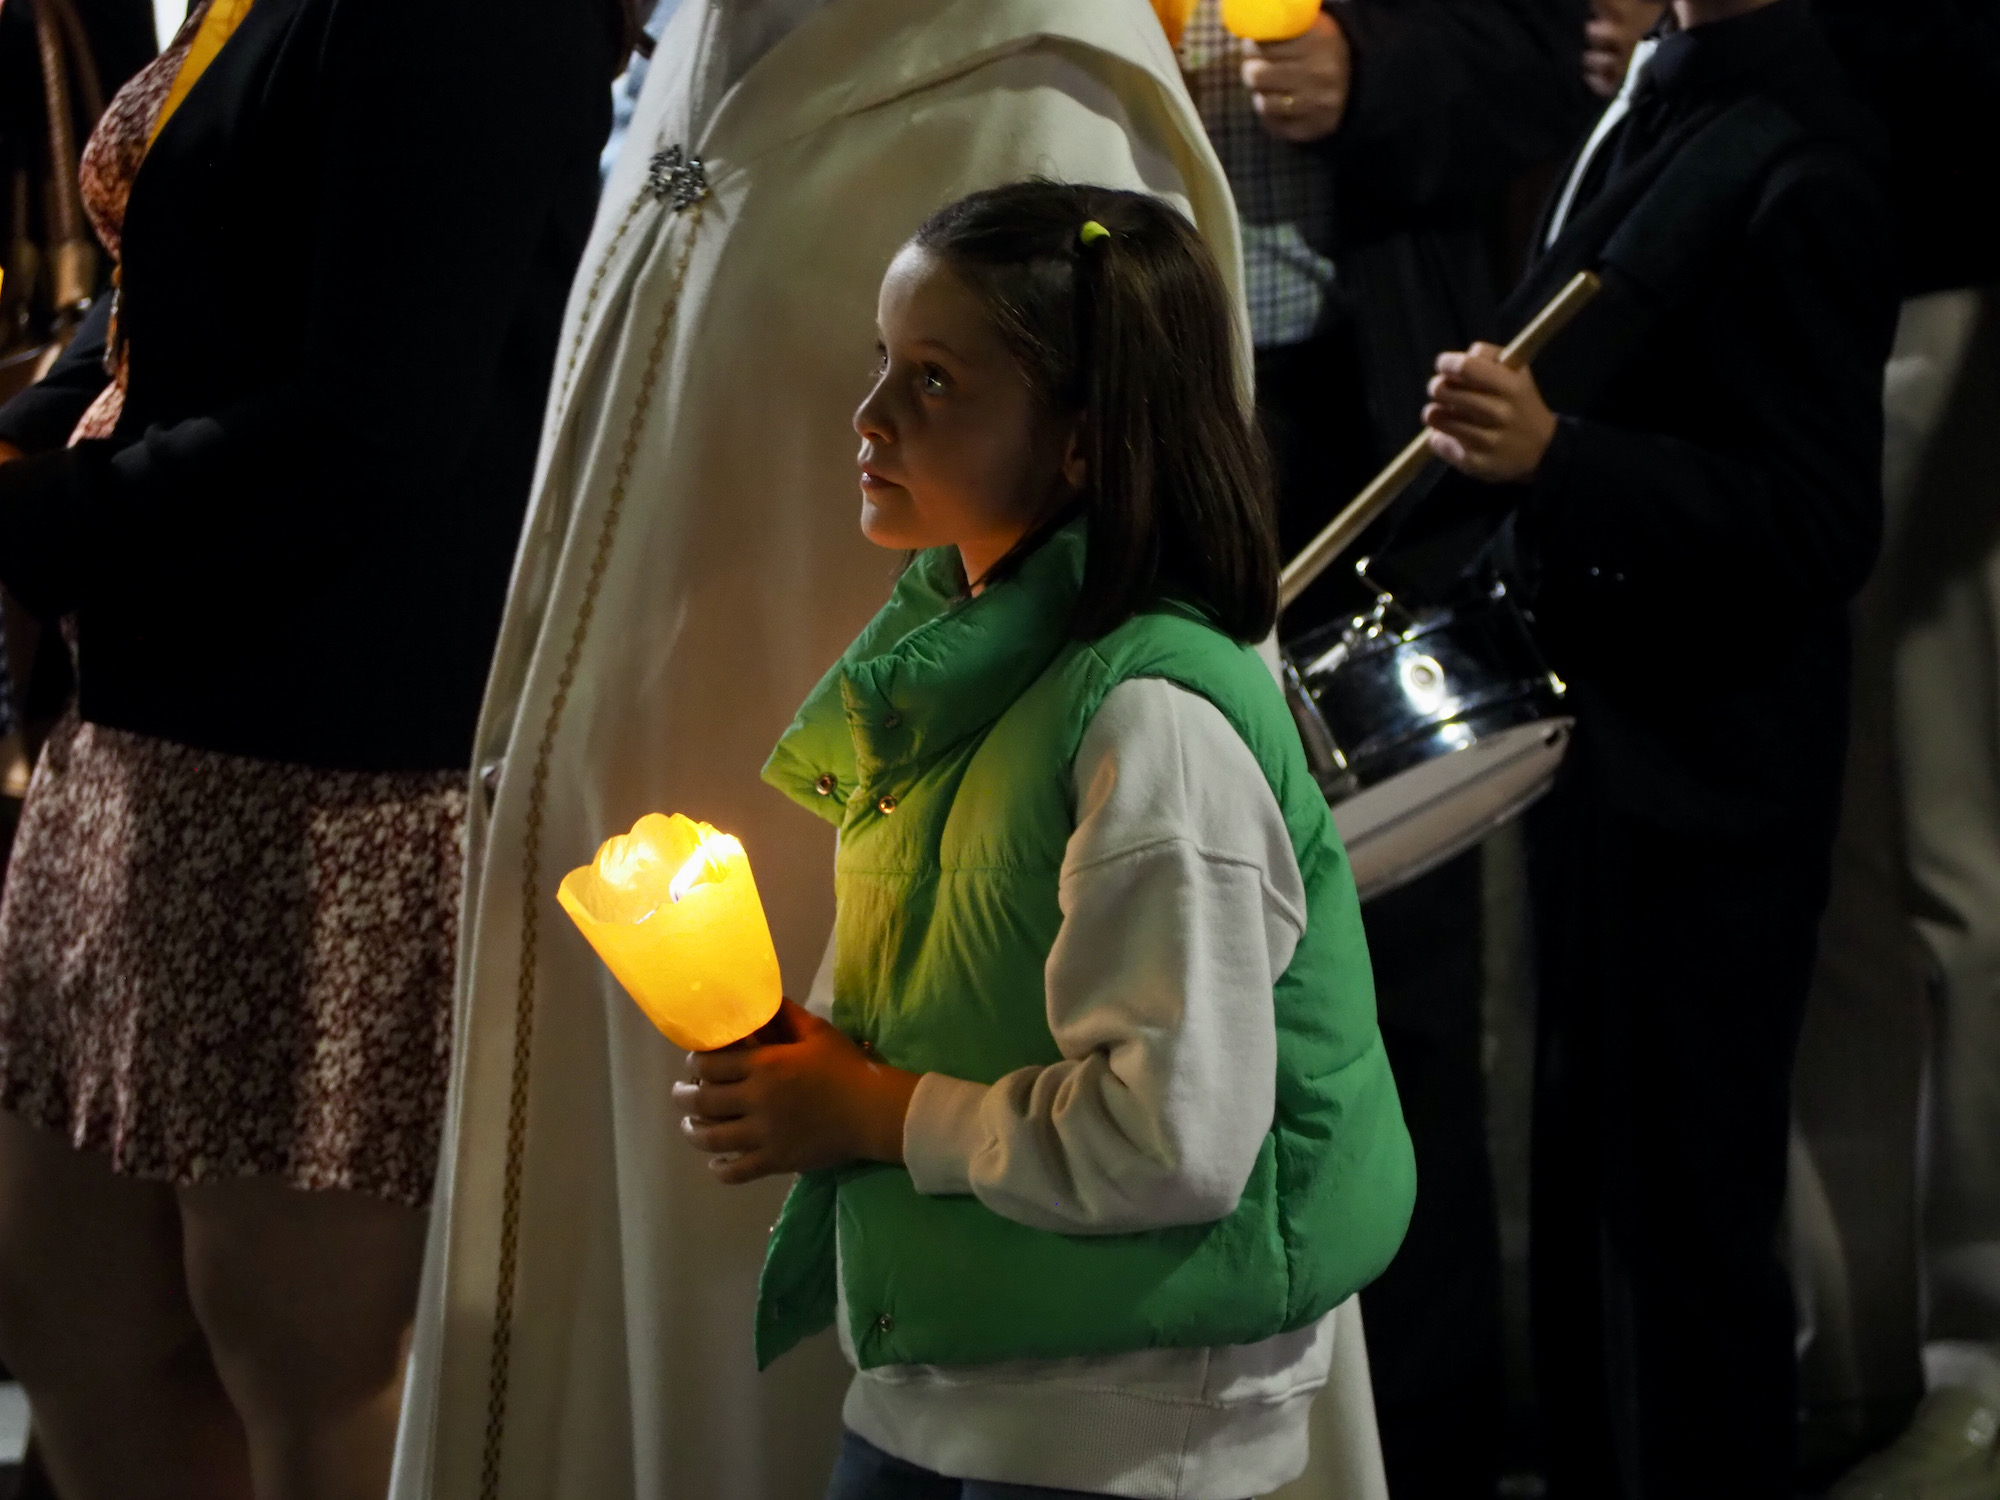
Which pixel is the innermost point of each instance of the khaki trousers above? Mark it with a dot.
(1944, 491)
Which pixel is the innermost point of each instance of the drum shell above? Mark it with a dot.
(1393, 693)
(1426, 730)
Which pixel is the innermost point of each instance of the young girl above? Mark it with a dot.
(1102, 1129)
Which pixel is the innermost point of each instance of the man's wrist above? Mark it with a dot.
(1548, 485)
(1543, 439)
(1342, 14)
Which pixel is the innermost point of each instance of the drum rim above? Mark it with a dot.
(1373, 761)
(1558, 732)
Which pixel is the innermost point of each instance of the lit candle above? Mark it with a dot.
(672, 910)
(1269, 20)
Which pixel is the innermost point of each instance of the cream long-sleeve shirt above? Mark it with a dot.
(1182, 904)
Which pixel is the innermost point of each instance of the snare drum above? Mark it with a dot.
(1426, 729)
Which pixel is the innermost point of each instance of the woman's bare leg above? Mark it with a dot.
(96, 1324)
(307, 1299)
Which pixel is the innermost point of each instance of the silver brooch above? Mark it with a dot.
(677, 178)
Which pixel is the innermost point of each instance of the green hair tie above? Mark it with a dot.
(1092, 231)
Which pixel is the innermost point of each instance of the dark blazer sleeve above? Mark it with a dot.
(438, 165)
(1450, 99)
(1786, 510)
(42, 417)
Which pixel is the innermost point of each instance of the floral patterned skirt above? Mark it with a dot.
(213, 966)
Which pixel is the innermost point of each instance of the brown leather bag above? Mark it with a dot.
(52, 262)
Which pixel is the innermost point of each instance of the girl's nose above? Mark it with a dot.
(870, 420)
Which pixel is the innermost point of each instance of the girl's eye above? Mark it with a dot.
(881, 359)
(933, 381)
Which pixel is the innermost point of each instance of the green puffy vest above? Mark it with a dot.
(941, 744)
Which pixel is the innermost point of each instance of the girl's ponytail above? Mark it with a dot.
(1116, 312)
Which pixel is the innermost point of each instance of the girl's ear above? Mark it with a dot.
(1075, 469)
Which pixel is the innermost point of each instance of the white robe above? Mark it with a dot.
(690, 565)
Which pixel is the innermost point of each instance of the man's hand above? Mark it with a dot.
(797, 1096)
(1485, 419)
(9, 452)
(1299, 88)
(1613, 30)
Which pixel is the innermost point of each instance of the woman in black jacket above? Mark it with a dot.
(277, 535)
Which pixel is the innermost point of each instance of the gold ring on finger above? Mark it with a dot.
(1285, 102)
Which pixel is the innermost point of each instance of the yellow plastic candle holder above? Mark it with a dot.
(1269, 20)
(672, 909)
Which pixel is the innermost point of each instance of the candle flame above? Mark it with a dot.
(707, 862)
(690, 872)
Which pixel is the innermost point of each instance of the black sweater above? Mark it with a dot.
(346, 259)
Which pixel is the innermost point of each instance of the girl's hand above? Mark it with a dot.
(797, 1096)
(1485, 419)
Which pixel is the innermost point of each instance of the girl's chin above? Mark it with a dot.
(888, 524)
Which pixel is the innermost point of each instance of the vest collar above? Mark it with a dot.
(957, 672)
(932, 669)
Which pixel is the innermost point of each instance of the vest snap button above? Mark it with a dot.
(892, 721)
(884, 1323)
(825, 785)
(888, 805)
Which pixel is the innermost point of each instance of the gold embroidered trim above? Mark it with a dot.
(590, 298)
(531, 889)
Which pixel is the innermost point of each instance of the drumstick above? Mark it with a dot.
(1340, 532)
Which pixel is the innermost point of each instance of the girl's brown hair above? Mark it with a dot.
(1132, 331)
